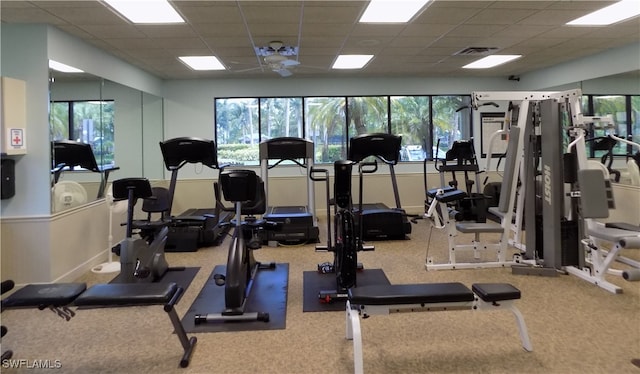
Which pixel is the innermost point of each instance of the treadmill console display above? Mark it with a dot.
(286, 148)
(179, 151)
(384, 146)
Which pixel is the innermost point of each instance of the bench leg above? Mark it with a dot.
(522, 328)
(354, 333)
(187, 343)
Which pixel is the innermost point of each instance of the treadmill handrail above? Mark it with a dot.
(301, 164)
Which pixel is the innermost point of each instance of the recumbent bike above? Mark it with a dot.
(246, 190)
(141, 259)
(347, 240)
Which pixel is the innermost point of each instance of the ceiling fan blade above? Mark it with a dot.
(284, 72)
(290, 63)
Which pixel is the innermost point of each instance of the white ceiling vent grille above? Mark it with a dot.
(476, 51)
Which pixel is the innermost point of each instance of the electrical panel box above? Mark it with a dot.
(13, 116)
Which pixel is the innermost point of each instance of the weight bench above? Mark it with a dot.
(59, 296)
(428, 297)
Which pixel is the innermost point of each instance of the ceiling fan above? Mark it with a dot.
(276, 57)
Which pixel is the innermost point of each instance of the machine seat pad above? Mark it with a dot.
(434, 191)
(623, 226)
(600, 231)
(113, 294)
(424, 293)
(35, 295)
(451, 196)
(478, 227)
(495, 291)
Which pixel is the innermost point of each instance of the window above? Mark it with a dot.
(325, 121)
(281, 117)
(87, 122)
(625, 110)
(237, 135)
(635, 119)
(367, 115)
(451, 120)
(329, 122)
(410, 117)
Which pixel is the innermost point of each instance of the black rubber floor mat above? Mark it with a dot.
(268, 295)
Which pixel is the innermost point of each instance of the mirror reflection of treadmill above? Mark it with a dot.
(299, 222)
(69, 154)
(379, 221)
(197, 227)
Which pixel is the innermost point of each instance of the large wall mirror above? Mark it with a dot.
(118, 126)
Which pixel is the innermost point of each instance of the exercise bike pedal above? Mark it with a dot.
(219, 279)
(116, 249)
(367, 248)
(326, 268)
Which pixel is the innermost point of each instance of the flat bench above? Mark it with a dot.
(59, 296)
(427, 297)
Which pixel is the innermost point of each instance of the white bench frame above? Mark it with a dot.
(355, 312)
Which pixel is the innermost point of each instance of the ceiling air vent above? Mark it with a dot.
(476, 51)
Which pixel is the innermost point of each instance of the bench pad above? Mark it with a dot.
(127, 294)
(434, 191)
(495, 291)
(35, 295)
(451, 196)
(478, 227)
(426, 293)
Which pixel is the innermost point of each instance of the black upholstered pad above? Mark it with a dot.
(450, 196)
(34, 295)
(434, 191)
(495, 291)
(127, 294)
(426, 293)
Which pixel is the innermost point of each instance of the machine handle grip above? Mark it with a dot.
(314, 170)
(368, 167)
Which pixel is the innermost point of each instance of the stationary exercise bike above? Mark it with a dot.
(347, 241)
(246, 190)
(140, 260)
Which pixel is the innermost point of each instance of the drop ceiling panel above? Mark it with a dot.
(323, 29)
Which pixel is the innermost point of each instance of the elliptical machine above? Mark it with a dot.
(347, 239)
(140, 261)
(246, 190)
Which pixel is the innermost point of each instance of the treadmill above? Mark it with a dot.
(69, 154)
(380, 222)
(299, 223)
(193, 228)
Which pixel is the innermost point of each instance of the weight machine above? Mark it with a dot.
(511, 194)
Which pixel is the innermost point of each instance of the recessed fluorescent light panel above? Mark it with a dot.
(202, 62)
(609, 15)
(55, 65)
(391, 11)
(351, 61)
(491, 61)
(146, 11)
